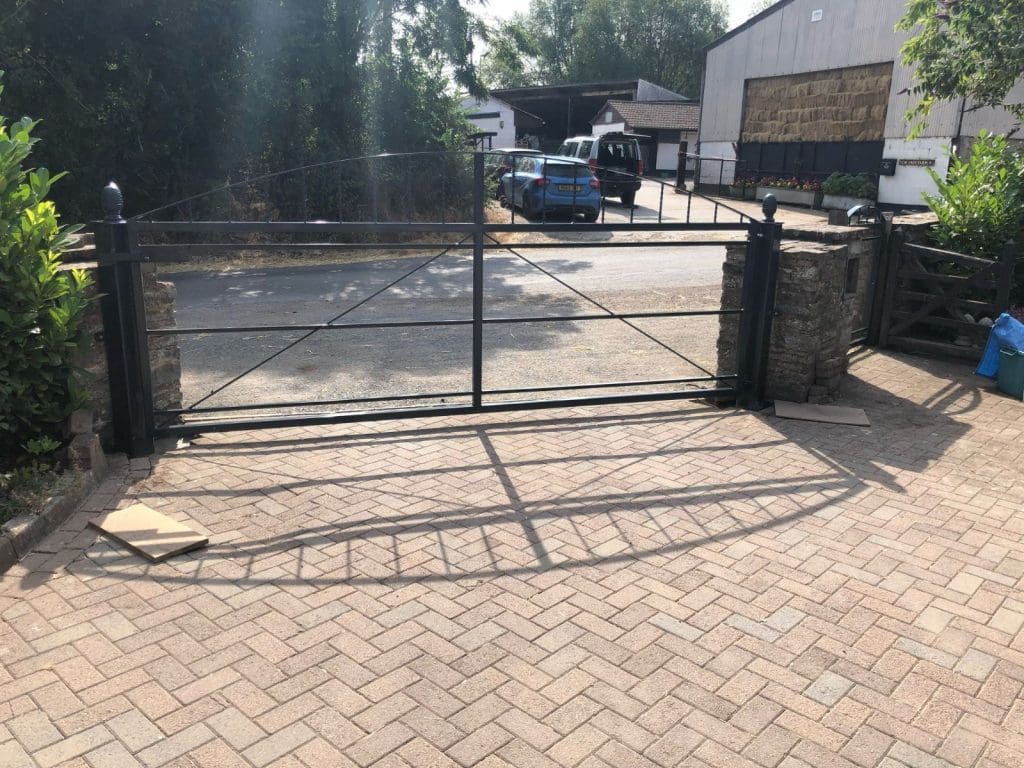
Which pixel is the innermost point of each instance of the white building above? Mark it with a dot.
(670, 126)
(815, 86)
(499, 124)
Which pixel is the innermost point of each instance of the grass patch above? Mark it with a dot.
(26, 488)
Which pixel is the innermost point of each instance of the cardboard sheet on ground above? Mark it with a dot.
(151, 534)
(828, 414)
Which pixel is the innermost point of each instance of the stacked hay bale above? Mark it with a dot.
(831, 105)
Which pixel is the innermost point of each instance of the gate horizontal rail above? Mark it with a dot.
(171, 253)
(441, 323)
(442, 395)
(376, 227)
(192, 428)
(122, 253)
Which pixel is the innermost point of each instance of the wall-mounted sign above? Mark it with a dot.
(887, 166)
(817, 15)
(918, 162)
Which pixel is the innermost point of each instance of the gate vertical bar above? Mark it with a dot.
(1005, 282)
(878, 281)
(893, 257)
(478, 278)
(760, 276)
(124, 328)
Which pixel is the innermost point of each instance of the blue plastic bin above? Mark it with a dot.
(1011, 373)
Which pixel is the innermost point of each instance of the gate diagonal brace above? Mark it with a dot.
(600, 306)
(334, 319)
(942, 298)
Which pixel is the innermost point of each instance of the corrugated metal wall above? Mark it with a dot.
(850, 33)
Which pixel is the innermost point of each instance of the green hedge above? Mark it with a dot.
(40, 304)
(850, 185)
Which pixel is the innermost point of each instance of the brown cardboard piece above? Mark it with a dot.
(153, 535)
(828, 414)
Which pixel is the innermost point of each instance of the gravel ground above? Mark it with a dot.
(388, 362)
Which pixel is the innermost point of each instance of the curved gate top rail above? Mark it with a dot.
(321, 191)
(123, 246)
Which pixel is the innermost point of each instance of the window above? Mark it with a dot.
(585, 148)
(608, 116)
(620, 150)
(525, 164)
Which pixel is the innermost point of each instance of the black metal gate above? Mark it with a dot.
(124, 247)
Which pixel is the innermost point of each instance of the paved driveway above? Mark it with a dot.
(660, 585)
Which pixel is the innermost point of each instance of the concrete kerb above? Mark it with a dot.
(21, 534)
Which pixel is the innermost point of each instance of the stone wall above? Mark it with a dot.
(164, 353)
(830, 105)
(814, 311)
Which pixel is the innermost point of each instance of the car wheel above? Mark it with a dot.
(590, 217)
(628, 198)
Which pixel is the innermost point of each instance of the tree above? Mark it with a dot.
(175, 97)
(761, 5)
(965, 49)
(560, 41)
(511, 55)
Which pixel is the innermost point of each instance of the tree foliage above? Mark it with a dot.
(561, 41)
(174, 97)
(965, 48)
(761, 5)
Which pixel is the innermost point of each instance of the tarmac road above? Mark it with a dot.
(385, 362)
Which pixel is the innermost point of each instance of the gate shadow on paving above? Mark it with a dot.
(546, 507)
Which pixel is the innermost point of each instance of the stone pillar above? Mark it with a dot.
(164, 351)
(813, 318)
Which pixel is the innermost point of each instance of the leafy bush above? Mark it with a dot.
(850, 185)
(980, 204)
(40, 304)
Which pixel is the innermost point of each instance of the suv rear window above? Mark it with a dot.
(619, 150)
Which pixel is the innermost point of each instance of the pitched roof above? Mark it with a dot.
(672, 115)
(757, 17)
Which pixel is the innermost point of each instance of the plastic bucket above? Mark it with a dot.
(1011, 373)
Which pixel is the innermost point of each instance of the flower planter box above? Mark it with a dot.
(843, 202)
(792, 196)
(742, 193)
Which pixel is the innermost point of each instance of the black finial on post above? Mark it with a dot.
(769, 205)
(113, 203)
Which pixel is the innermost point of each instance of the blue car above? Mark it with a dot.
(545, 185)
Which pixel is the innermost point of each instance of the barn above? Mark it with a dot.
(809, 87)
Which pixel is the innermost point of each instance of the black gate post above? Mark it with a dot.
(478, 278)
(124, 328)
(760, 276)
(879, 279)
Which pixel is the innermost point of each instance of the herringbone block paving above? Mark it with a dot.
(659, 585)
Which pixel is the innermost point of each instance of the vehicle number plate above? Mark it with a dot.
(570, 187)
